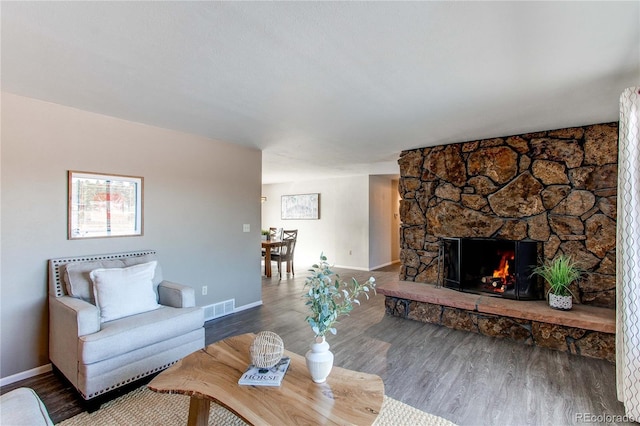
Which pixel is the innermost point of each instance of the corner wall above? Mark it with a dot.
(197, 195)
(384, 222)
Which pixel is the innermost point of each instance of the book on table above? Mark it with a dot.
(273, 376)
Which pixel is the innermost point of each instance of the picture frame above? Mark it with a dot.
(300, 206)
(104, 205)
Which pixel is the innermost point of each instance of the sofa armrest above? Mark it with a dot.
(69, 318)
(176, 295)
(74, 315)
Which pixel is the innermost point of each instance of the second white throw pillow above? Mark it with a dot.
(120, 292)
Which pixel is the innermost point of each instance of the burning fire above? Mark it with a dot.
(502, 273)
(501, 279)
(503, 268)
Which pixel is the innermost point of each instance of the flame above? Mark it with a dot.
(503, 268)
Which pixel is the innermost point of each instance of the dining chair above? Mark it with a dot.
(275, 233)
(289, 238)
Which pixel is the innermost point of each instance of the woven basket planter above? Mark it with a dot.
(266, 349)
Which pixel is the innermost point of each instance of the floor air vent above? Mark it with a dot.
(219, 309)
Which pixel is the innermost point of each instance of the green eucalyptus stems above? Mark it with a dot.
(559, 273)
(328, 298)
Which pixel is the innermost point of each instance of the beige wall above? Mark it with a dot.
(198, 193)
(355, 213)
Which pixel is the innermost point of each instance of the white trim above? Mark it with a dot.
(249, 306)
(235, 310)
(25, 375)
(385, 264)
(357, 268)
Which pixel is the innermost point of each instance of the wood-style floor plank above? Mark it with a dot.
(464, 377)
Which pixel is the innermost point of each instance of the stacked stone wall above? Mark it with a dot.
(555, 187)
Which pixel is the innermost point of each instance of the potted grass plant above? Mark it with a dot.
(328, 298)
(559, 273)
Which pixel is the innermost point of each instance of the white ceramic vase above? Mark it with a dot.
(319, 360)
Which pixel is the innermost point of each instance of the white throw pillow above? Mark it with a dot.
(120, 292)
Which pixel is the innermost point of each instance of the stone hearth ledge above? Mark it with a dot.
(581, 316)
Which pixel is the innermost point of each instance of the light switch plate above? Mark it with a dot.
(246, 228)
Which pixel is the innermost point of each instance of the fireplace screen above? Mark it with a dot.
(499, 267)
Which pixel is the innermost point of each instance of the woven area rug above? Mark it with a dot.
(144, 407)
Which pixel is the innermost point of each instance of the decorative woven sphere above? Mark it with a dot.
(266, 349)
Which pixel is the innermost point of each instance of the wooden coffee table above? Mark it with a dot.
(212, 373)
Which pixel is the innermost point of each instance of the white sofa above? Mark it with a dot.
(97, 353)
(22, 407)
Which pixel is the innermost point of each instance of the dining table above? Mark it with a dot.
(268, 245)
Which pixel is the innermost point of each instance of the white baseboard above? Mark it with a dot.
(386, 264)
(237, 309)
(355, 268)
(248, 306)
(358, 268)
(25, 375)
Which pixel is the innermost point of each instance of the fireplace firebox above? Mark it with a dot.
(500, 268)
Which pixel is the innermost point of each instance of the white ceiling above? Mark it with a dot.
(328, 88)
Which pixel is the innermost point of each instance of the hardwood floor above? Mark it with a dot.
(464, 377)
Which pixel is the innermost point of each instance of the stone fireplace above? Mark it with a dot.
(556, 188)
(542, 193)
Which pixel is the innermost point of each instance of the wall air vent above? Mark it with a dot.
(219, 309)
